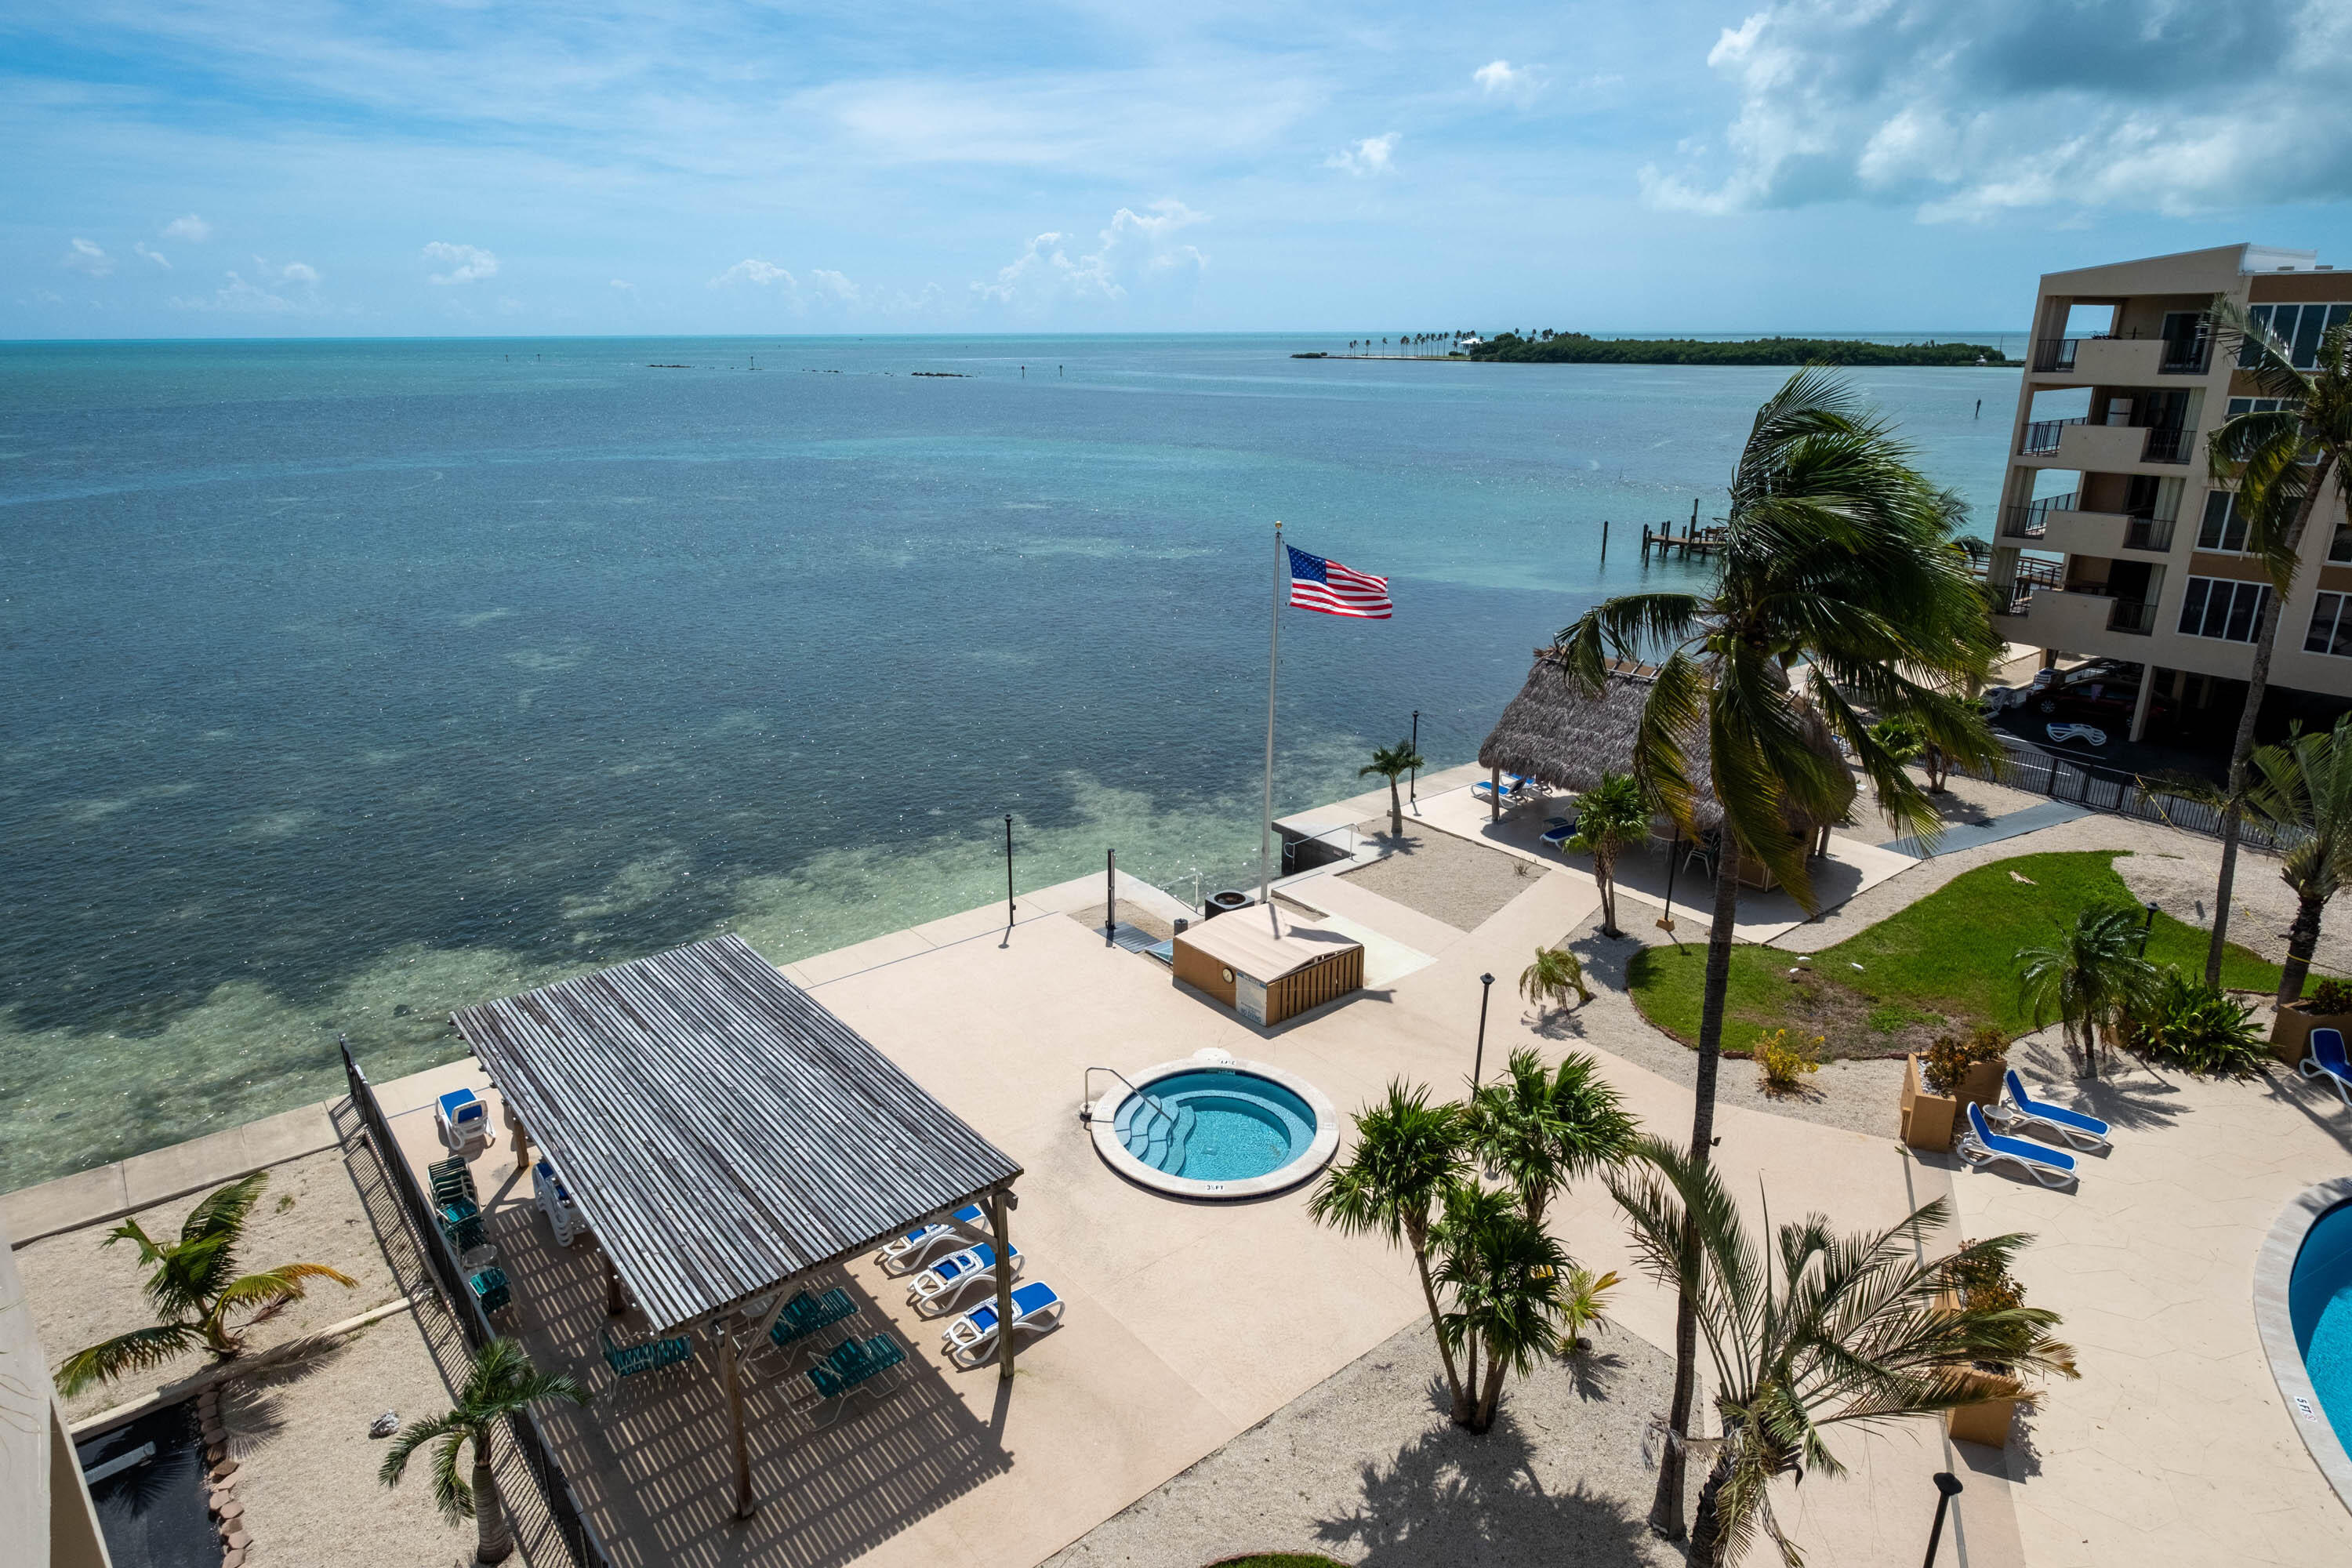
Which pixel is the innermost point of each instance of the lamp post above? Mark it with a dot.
(1008, 873)
(2147, 926)
(1948, 1487)
(1478, 1062)
(1415, 790)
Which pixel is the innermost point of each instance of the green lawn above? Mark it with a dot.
(1947, 962)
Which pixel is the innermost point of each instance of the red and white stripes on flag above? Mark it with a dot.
(1336, 590)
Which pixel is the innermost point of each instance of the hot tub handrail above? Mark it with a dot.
(1087, 1091)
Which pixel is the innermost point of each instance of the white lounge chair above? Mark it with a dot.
(461, 1118)
(1034, 1307)
(2326, 1061)
(951, 1276)
(2019, 1109)
(925, 1239)
(1981, 1146)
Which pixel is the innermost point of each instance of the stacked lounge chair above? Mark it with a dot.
(554, 1201)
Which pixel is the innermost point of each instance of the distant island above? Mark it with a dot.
(1576, 348)
(1580, 348)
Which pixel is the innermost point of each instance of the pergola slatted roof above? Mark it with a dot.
(719, 1129)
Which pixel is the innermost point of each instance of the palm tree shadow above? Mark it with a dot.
(1593, 1373)
(1448, 1497)
(2127, 1094)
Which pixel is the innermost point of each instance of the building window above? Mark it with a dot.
(2331, 626)
(2223, 529)
(2299, 327)
(2261, 405)
(2219, 608)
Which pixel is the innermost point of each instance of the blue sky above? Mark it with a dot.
(229, 168)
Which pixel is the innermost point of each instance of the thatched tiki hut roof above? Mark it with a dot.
(1553, 731)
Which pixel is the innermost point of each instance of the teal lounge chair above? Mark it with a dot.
(634, 1361)
(804, 1314)
(490, 1289)
(850, 1365)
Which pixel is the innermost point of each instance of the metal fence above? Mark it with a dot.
(2062, 778)
(572, 1526)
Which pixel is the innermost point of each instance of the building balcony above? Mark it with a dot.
(2121, 361)
(2103, 448)
(2107, 534)
(2077, 620)
(2169, 443)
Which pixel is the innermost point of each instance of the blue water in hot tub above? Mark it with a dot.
(1216, 1125)
(2319, 1303)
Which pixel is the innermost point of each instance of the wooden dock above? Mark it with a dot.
(1691, 541)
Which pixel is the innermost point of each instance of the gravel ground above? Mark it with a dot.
(83, 1292)
(307, 1466)
(1857, 1095)
(1367, 1468)
(1444, 877)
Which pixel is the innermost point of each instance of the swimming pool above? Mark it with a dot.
(1215, 1128)
(2319, 1304)
(2303, 1309)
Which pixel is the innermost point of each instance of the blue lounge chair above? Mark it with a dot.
(1517, 787)
(1561, 830)
(462, 1121)
(1981, 1146)
(2019, 1109)
(1034, 1306)
(920, 1243)
(951, 1276)
(633, 1361)
(805, 1313)
(2327, 1060)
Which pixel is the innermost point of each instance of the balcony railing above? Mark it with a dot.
(2042, 436)
(2132, 616)
(2169, 443)
(2054, 353)
(2154, 533)
(2032, 520)
(2194, 357)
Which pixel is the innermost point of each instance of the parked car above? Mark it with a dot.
(2102, 689)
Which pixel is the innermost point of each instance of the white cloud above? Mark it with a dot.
(833, 286)
(1501, 79)
(467, 263)
(157, 256)
(1968, 111)
(241, 296)
(1136, 253)
(191, 229)
(752, 269)
(623, 284)
(86, 256)
(1371, 156)
(296, 272)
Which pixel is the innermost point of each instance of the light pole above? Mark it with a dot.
(1415, 790)
(1478, 1062)
(1948, 1487)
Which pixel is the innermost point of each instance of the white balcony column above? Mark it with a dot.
(2140, 703)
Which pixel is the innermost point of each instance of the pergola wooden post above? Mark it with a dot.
(1000, 1215)
(522, 1138)
(616, 1296)
(738, 1443)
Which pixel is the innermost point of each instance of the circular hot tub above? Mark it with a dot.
(1211, 1127)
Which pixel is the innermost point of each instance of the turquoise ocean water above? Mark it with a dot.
(347, 682)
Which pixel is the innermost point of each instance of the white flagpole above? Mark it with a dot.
(1273, 663)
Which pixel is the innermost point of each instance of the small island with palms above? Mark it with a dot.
(1545, 346)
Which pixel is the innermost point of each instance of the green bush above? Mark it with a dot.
(2199, 1028)
(2331, 998)
(1948, 1061)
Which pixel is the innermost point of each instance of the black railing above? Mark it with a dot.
(2186, 358)
(2042, 435)
(2127, 796)
(2132, 616)
(572, 1526)
(2167, 444)
(2032, 520)
(2148, 533)
(2054, 353)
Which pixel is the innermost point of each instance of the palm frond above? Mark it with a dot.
(138, 1351)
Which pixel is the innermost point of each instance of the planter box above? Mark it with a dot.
(1986, 1422)
(1931, 1120)
(2291, 1030)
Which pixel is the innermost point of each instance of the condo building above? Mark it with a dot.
(2114, 543)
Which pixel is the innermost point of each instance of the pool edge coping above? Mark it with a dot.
(1326, 1142)
(2273, 1268)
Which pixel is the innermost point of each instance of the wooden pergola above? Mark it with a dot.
(722, 1134)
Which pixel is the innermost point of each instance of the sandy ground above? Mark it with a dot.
(1367, 1468)
(1439, 875)
(308, 1466)
(83, 1293)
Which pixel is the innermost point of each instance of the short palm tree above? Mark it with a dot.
(1537, 1128)
(1392, 763)
(1815, 1331)
(1610, 815)
(1407, 1153)
(501, 1382)
(1555, 976)
(2304, 788)
(195, 1289)
(2282, 460)
(1838, 556)
(2092, 978)
(1503, 1277)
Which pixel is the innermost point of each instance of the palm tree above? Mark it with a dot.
(1503, 1275)
(1610, 815)
(1408, 1153)
(1392, 763)
(501, 1384)
(1815, 1331)
(2283, 461)
(2304, 787)
(193, 1289)
(1537, 1130)
(1554, 976)
(1839, 556)
(2092, 977)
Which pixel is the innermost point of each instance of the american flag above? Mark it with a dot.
(1336, 590)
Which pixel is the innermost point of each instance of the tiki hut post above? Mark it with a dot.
(1495, 796)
